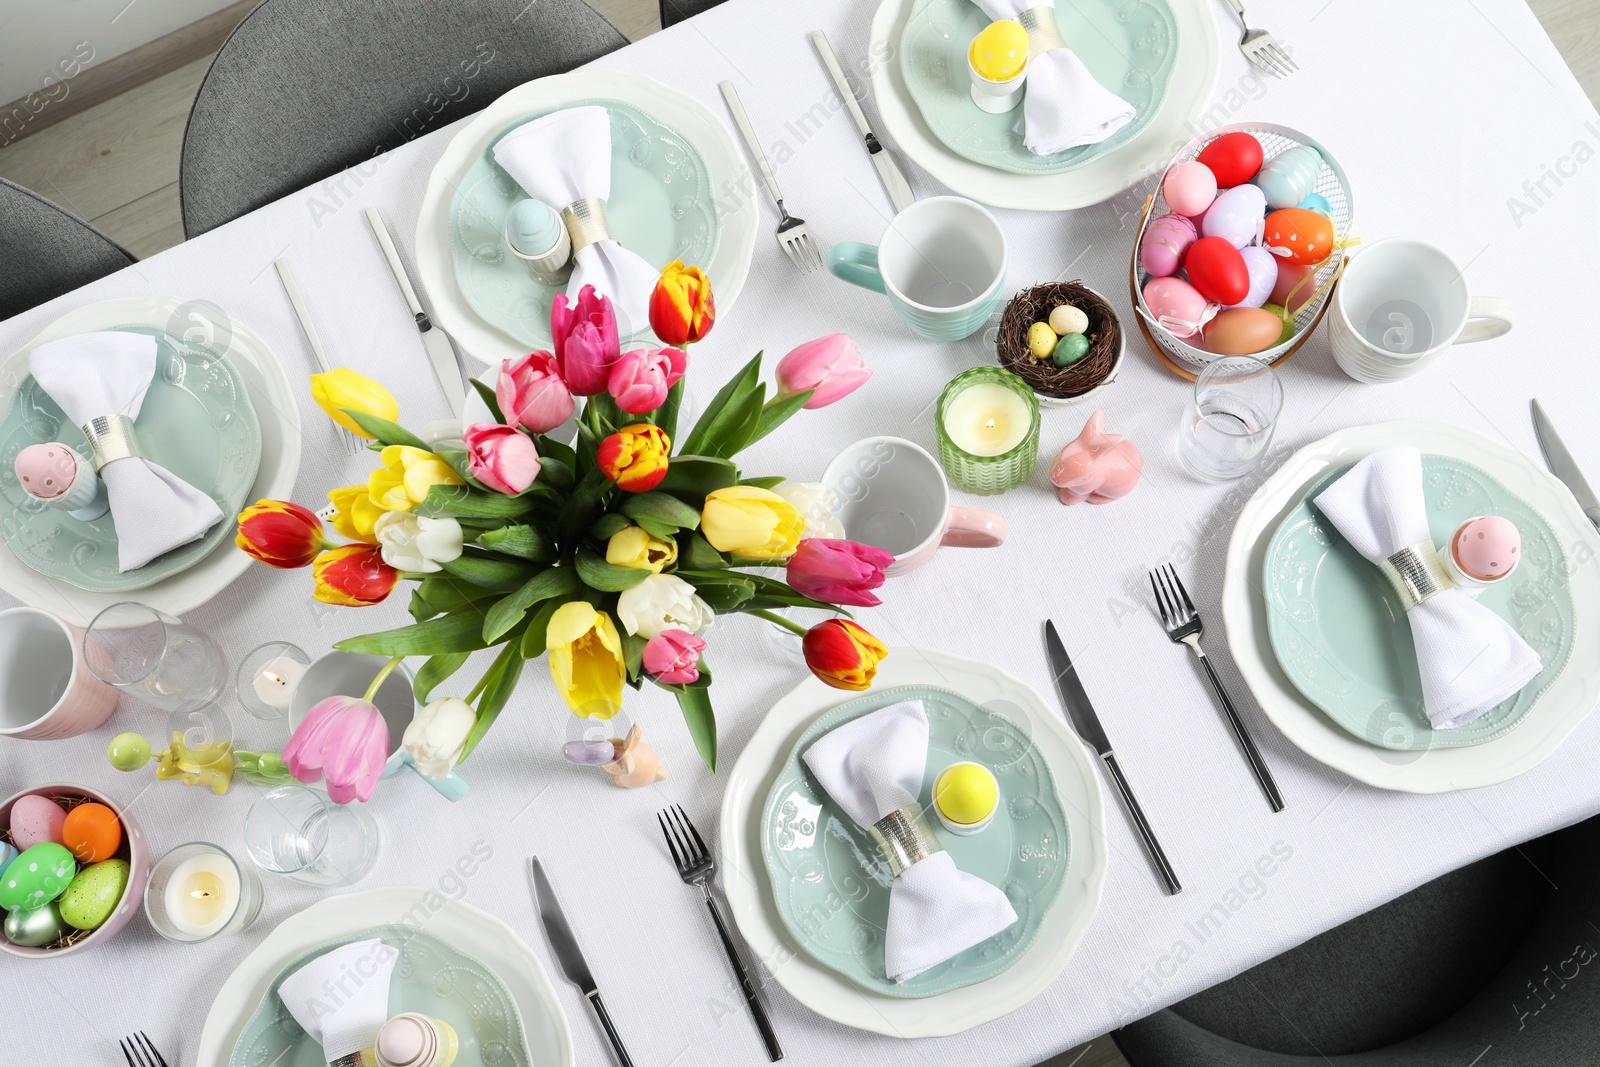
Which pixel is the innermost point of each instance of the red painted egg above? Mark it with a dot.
(1234, 158)
(1300, 235)
(1217, 270)
(1293, 279)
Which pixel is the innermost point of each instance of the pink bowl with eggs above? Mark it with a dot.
(134, 848)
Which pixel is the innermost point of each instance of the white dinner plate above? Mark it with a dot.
(1194, 79)
(276, 411)
(1565, 704)
(473, 932)
(826, 991)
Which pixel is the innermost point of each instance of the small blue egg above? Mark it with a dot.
(1318, 203)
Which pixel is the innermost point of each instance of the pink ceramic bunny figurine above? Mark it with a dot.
(636, 763)
(1098, 467)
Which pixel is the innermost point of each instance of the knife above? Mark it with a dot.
(1563, 466)
(445, 365)
(1080, 712)
(894, 181)
(564, 946)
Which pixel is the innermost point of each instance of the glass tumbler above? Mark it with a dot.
(1229, 421)
(301, 834)
(987, 425)
(154, 657)
(198, 891)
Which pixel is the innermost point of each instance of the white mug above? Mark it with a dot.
(1402, 302)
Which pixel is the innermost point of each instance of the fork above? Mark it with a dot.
(1263, 49)
(697, 867)
(352, 444)
(1184, 627)
(141, 1056)
(793, 236)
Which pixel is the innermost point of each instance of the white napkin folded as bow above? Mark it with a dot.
(107, 373)
(341, 998)
(1470, 658)
(1064, 107)
(872, 766)
(564, 157)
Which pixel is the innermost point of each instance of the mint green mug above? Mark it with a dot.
(941, 263)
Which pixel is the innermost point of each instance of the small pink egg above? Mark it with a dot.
(1189, 188)
(1164, 242)
(46, 470)
(1487, 548)
(35, 820)
(1177, 306)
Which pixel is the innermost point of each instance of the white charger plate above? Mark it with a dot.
(475, 933)
(1194, 79)
(1565, 704)
(826, 991)
(276, 411)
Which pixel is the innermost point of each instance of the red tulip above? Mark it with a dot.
(353, 575)
(280, 533)
(682, 310)
(842, 654)
(635, 457)
(838, 571)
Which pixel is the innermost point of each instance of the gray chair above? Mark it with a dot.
(305, 89)
(1494, 965)
(46, 251)
(675, 11)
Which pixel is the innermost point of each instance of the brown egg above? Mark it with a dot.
(1243, 332)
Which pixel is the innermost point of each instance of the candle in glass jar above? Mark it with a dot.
(202, 895)
(274, 683)
(987, 419)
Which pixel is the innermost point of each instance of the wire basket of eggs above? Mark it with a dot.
(1240, 246)
(1063, 339)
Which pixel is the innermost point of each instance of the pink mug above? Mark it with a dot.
(893, 494)
(47, 690)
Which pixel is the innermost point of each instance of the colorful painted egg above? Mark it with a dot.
(1000, 51)
(35, 927)
(1487, 548)
(1290, 176)
(1236, 216)
(1041, 340)
(1299, 235)
(93, 894)
(1065, 319)
(1290, 276)
(1234, 158)
(1318, 203)
(91, 833)
(1177, 306)
(1190, 187)
(37, 877)
(1217, 269)
(7, 854)
(35, 820)
(1284, 317)
(1263, 268)
(1242, 332)
(1070, 349)
(1164, 242)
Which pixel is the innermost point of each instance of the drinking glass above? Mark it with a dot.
(176, 897)
(1229, 422)
(154, 657)
(301, 834)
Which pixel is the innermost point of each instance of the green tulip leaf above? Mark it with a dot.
(609, 525)
(444, 592)
(666, 416)
(436, 670)
(419, 608)
(550, 447)
(489, 571)
(523, 542)
(777, 413)
(724, 592)
(661, 531)
(767, 481)
(607, 577)
(465, 502)
(387, 433)
(533, 642)
(690, 478)
(696, 554)
(486, 394)
(633, 654)
(557, 473)
(702, 722)
(460, 631)
(507, 612)
(498, 685)
(713, 423)
(662, 508)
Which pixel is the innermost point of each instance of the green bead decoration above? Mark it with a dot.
(128, 752)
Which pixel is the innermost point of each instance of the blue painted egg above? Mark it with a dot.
(1318, 203)
(1290, 176)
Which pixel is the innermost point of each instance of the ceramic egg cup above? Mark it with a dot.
(1468, 583)
(961, 829)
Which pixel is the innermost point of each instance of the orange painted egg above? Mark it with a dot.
(1243, 332)
(91, 833)
(1300, 235)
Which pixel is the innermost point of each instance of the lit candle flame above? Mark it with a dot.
(276, 679)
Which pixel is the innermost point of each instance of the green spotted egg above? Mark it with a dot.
(36, 877)
(93, 894)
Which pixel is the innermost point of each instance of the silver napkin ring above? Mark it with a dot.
(1044, 33)
(905, 838)
(111, 437)
(587, 223)
(1417, 573)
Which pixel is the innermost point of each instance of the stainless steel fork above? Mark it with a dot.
(1263, 49)
(697, 867)
(1183, 625)
(140, 1051)
(793, 235)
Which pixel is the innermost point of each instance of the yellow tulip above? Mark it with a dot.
(586, 660)
(356, 513)
(344, 388)
(406, 476)
(751, 523)
(632, 547)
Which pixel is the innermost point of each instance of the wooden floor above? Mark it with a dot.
(116, 164)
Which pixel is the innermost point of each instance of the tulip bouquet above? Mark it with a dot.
(610, 554)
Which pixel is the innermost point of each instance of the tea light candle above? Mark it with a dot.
(267, 678)
(987, 423)
(274, 683)
(987, 419)
(197, 891)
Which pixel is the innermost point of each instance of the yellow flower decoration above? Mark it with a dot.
(356, 513)
(586, 660)
(632, 547)
(406, 476)
(750, 522)
(344, 388)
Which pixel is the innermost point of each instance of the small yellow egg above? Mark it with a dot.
(1000, 52)
(966, 793)
(1041, 340)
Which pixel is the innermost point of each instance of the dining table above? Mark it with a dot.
(1459, 124)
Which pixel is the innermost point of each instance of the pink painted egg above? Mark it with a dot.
(1177, 306)
(1234, 158)
(1164, 242)
(45, 470)
(1290, 275)
(1298, 234)
(1217, 269)
(1487, 548)
(1242, 332)
(1263, 268)
(1189, 188)
(1236, 216)
(36, 820)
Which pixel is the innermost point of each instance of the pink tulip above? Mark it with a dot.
(837, 571)
(501, 457)
(586, 340)
(345, 737)
(671, 657)
(640, 378)
(531, 393)
(829, 365)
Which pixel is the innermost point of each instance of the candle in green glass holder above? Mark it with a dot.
(988, 429)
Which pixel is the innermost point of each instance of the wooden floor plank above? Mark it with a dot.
(634, 18)
(150, 224)
(1574, 26)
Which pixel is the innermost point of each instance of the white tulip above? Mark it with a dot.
(663, 602)
(816, 503)
(436, 734)
(417, 544)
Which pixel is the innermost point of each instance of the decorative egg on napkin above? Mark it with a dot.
(1487, 548)
(1242, 332)
(1164, 242)
(1290, 176)
(1234, 158)
(35, 820)
(93, 894)
(36, 927)
(1217, 270)
(1263, 268)
(1236, 216)
(1000, 51)
(1177, 306)
(37, 877)
(1190, 187)
(91, 833)
(1290, 275)
(1299, 235)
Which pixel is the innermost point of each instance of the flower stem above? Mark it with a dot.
(778, 620)
(477, 690)
(388, 668)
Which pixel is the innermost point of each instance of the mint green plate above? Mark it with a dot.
(1341, 636)
(197, 421)
(430, 978)
(1130, 46)
(661, 207)
(832, 884)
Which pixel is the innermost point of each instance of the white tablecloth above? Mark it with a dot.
(1455, 123)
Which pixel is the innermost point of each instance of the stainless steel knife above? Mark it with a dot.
(445, 365)
(1081, 713)
(1563, 466)
(894, 180)
(564, 947)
